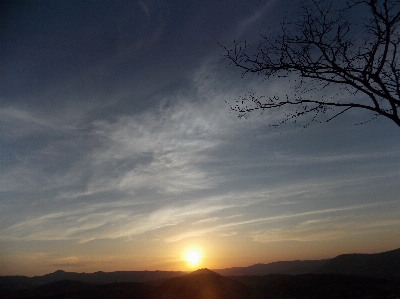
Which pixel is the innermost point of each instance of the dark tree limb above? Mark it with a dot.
(324, 49)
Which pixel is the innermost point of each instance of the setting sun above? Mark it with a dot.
(193, 257)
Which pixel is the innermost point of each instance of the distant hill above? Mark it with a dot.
(203, 284)
(286, 267)
(105, 277)
(383, 265)
(379, 265)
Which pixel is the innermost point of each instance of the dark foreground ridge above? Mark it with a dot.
(346, 276)
(203, 283)
(206, 284)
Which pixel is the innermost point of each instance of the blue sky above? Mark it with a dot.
(118, 150)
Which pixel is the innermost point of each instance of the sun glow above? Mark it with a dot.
(193, 257)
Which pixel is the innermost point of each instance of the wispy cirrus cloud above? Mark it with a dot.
(337, 221)
(327, 229)
(108, 221)
(248, 22)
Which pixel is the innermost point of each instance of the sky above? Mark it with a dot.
(118, 149)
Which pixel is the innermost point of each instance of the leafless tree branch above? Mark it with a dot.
(323, 49)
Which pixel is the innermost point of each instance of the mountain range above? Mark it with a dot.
(349, 273)
(285, 267)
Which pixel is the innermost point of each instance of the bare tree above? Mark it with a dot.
(324, 49)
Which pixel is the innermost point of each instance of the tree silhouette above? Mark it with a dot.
(324, 49)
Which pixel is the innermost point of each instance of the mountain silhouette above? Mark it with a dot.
(203, 284)
(203, 271)
(285, 267)
(380, 265)
(104, 277)
(346, 272)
